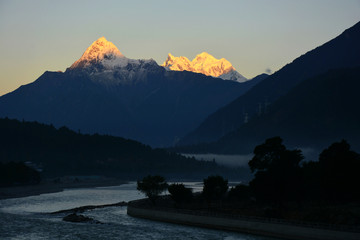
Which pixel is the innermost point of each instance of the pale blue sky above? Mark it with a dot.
(253, 35)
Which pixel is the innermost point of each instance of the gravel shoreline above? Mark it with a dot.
(51, 186)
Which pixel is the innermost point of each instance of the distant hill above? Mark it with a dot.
(341, 52)
(315, 113)
(60, 152)
(105, 92)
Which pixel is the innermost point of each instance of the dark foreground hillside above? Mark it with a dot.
(341, 52)
(61, 152)
(315, 113)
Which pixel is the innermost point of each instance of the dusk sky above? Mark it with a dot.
(253, 35)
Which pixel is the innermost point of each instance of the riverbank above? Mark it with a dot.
(57, 185)
(253, 225)
(90, 207)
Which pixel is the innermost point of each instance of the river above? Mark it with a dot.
(29, 218)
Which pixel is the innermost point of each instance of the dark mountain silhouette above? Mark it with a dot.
(62, 152)
(105, 92)
(343, 51)
(315, 113)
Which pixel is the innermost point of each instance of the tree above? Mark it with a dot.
(152, 186)
(312, 180)
(277, 171)
(239, 192)
(266, 154)
(339, 172)
(215, 188)
(180, 193)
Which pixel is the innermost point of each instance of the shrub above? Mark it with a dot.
(180, 193)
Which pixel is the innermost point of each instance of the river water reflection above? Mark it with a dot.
(28, 218)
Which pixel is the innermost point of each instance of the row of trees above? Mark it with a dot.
(279, 175)
(215, 188)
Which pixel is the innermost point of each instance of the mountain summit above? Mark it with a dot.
(107, 65)
(99, 51)
(206, 64)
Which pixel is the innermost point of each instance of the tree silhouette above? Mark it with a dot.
(277, 171)
(215, 188)
(152, 186)
(180, 193)
(239, 192)
(339, 171)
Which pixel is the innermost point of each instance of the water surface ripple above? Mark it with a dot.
(28, 218)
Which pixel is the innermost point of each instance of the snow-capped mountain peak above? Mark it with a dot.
(104, 63)
(206, 64)
(177, 63)
(99, 51)
(204, 55)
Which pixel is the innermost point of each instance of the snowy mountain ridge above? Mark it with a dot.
(206, 64)
(103, 61)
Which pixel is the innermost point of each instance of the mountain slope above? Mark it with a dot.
(105, 92)
(343, 51)
(206, 64)
(62, 152)
(317, 112)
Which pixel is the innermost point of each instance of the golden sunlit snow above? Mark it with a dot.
(98, 50)
(203, 63)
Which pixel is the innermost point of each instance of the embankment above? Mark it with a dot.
(253, 225)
